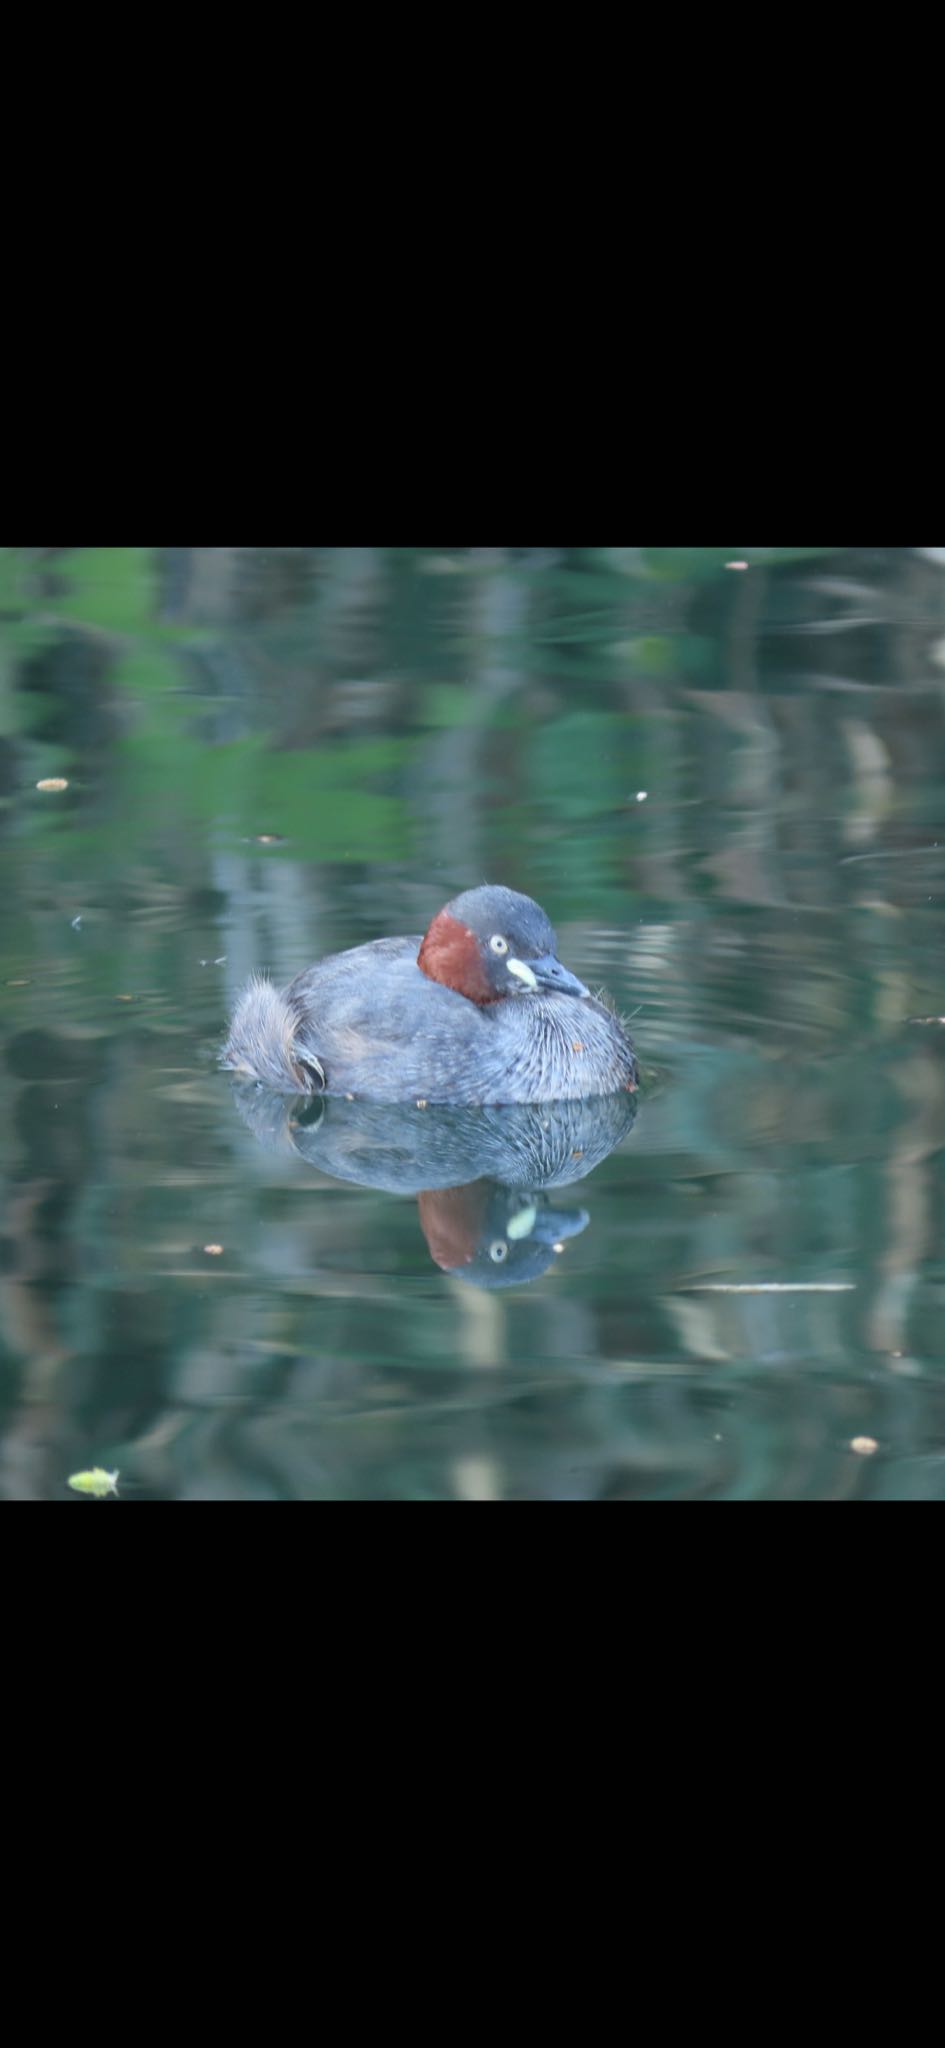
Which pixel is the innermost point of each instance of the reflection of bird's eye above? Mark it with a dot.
(498, 1251)
(498, 943)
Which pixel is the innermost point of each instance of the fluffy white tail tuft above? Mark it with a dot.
(262, 1042)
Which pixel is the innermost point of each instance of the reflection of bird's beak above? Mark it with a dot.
(554, 1223)
(549, 973)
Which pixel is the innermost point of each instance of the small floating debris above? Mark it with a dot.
(53, 782)
(97, 1482)
(75, 924)
(642, 795)
(736, 565)
(268, 839)
(771, 1287)
(864, 1446)
(21, 981)
(213, 1251)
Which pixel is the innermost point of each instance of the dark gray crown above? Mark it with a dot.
(522, 922)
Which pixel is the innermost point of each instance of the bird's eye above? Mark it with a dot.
(499, 1251)
(498, 943)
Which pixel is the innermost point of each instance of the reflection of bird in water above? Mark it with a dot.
(495, 1236)
(403, 1149)
(480, 1175)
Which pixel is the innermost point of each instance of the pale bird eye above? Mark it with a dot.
(498, 1251)
(498, 943)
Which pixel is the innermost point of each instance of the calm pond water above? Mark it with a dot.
(726, 785)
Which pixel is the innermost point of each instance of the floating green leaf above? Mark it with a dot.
(97, 1482)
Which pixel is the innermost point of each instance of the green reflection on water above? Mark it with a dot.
(725, 786)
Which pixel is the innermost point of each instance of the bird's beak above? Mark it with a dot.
(549, 973)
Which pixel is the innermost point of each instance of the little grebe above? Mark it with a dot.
(478, 1010)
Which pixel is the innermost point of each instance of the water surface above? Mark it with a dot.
(727, 788)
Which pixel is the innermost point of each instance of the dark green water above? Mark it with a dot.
(272, 753)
